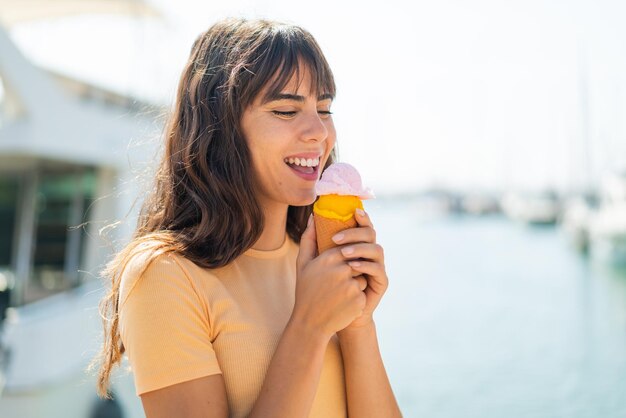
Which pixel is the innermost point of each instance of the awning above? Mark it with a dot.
(13, 12)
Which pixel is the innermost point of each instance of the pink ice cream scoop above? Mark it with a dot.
(342, 179)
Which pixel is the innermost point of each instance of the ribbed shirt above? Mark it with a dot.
(180, 322)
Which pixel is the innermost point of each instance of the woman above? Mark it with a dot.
(220, 301)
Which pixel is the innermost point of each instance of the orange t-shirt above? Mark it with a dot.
(179, 322)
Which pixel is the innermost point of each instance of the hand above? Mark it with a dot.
(328, 297)
(368, 259)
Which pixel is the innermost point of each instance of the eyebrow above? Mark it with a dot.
(295, 97)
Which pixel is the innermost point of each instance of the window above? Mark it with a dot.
(41, 243)
(8, 212)
(60, 203)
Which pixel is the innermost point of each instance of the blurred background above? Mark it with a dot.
(492, 132)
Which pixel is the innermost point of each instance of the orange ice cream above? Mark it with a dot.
(340, 192)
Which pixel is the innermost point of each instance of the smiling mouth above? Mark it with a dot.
(309, 166)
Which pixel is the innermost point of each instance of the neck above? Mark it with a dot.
(275, 230)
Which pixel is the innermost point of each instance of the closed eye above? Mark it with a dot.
(292, 113)
(279, 113)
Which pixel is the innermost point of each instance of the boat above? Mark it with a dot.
(607, 227)
(435, 202)
(480, 204)
(532, 208)
(66, 172)
(576, 218)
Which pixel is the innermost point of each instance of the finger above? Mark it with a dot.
(308, 245)
(358, 234)
(367, 267)
(362, 218)
(375, 272)
(366, 251)
(362, 282)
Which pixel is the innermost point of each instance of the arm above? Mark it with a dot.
(368, 389)
(199, 398)
(327, 300)
(293, 375)
(367, 385)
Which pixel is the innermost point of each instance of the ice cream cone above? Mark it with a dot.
(326, 228)
(340, 192)
(333, 213)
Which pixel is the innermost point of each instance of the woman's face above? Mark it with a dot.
(294, 127)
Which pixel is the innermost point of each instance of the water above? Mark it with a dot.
(488, 318)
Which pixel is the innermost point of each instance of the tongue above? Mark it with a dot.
(307, 170)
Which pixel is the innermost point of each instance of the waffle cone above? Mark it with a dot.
(326, 228)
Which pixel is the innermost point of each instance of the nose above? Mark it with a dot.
(314, 127)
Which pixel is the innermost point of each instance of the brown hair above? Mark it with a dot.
(203, 205)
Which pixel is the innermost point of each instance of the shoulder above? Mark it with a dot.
(152, 268)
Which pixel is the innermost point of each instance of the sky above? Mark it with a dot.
(474, 95)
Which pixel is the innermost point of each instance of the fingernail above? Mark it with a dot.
(310, 220)
(354, 264)
(360, 212)
(338, 238)
(347, 250)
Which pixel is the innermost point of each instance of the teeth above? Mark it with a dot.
(311, 162)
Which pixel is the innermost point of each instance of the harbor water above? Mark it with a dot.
(489, 318)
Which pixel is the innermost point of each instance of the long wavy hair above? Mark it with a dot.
(202, 205)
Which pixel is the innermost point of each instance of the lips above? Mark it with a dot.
(305, 170)
(305, 165)
(306, 173)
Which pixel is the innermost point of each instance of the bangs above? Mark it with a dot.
(295, 67)
(289, 53)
